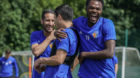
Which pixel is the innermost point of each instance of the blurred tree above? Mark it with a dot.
(15, 19)
(78, 7)
(20, 17)
(125, 14)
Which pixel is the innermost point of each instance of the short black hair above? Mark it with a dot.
(88, 1)
(65, 11)
(8, 52)
(47, 11)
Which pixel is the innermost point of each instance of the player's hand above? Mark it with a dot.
(42, 67)
(81, 58)
(37, 65)
(75, 63)
(59, 34)
(52, 36)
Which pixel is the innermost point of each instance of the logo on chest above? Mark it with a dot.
(51, 45)
(7, 63)
(95, 34)
(10, 62)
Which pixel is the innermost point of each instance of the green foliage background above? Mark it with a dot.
(18, 18)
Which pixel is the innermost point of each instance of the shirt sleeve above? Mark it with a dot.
(116, 60)
(0, 61)
(76, 22)
(63, 44)
(109, 31)
(16, 68)
(33, 39)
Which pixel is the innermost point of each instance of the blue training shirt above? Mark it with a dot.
(68, 44)
(115, 60)
(7, 67)
(37, 37)
(92, 39)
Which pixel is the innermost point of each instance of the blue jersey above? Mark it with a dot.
(7, 67)
(38, 37)
(115, 60)
(92, 39)
(68, 44)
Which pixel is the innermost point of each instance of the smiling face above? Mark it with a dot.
(94, 11)
(48, 22)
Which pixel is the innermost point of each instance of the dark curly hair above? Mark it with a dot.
(87, 2)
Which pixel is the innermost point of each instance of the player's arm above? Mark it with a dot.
(116, 68)
(109, 38)
(108, 52)
(16, 69)
(57, 59)
(76, 62)
(51, 61)
(60, 34)
(38, 49)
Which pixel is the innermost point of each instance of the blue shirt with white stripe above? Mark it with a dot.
(7, 66)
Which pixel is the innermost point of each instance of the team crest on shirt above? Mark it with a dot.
(51, 45)
(10, 62)
(95, 34)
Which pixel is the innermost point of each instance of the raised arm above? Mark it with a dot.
(38, 49)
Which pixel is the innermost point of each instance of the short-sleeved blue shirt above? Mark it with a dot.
(7, 66)
(37, 37)
(92, 39)
(115, 60)
(68, 44)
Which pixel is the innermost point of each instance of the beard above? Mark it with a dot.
(47, 29)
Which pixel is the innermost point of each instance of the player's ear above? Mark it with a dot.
(60, 17)
(41, 21)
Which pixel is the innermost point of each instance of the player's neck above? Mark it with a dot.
(68, 24)
(46, 33)
(7, 57)
(91, 24)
